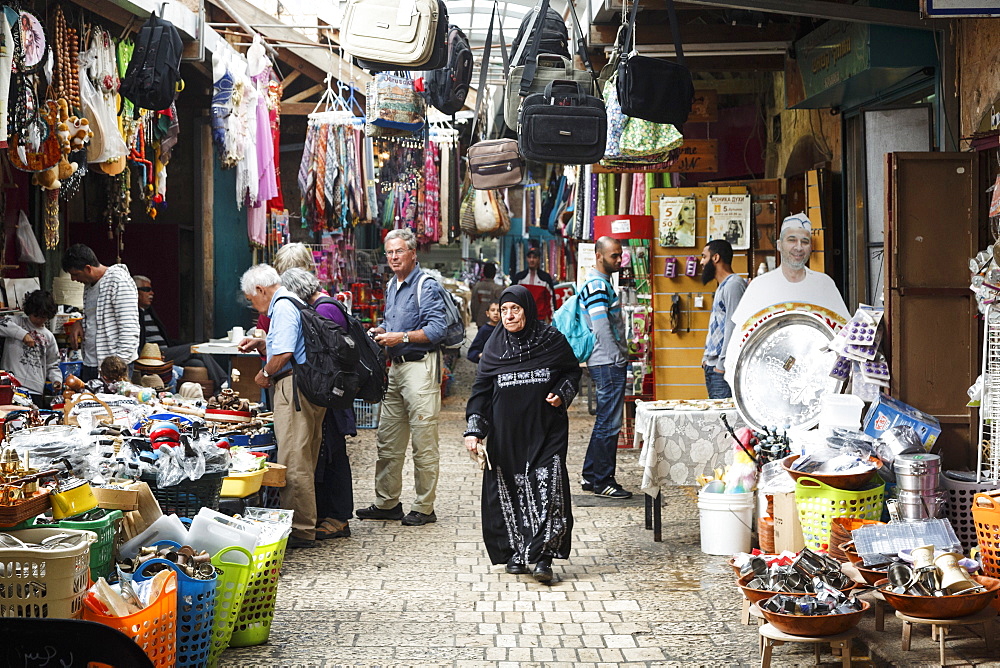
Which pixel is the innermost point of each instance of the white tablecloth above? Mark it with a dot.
(678, 446)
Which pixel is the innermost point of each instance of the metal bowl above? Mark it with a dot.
(783, 371)
(754, 595)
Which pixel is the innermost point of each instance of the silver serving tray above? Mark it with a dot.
(782, 371)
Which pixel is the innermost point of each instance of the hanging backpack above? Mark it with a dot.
(448, 86)
(328, 377)
(571, 320)
(373, 376)
(153, 77)
(554, 39)
(454, 329)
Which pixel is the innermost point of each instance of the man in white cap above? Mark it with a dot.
(791, 284)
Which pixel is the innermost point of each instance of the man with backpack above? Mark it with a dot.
(298, 423)
(607, 364)
(412, 330)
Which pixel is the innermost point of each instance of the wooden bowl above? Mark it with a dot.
(851, 552)
(814, 625)
(736, 569)
(848, 481)
(941, 607)
(754, 595)
(870, 576)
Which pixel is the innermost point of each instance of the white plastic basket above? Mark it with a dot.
(366, 414)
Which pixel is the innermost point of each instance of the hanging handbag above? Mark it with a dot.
(403, 32)
(641, 138)
(394, 104)
(437, 59)
(616, 120)
(538, 71)
(488, 217)
(495, 163)
(562, 125)
(467, 210)
(652, 89)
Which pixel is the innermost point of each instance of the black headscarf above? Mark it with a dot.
(536, 346)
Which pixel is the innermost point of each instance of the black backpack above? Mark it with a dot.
(373, 376)
(555, 35)
(152, 78)
(328, 377)
(447, 87)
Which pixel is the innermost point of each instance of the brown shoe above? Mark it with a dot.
(332, 528)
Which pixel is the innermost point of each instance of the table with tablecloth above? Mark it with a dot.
(677, 447)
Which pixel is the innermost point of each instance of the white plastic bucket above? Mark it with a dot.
(726, 522)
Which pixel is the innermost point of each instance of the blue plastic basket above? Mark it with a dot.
(195, 614)
(366, 414)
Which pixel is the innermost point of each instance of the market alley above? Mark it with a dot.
(397, 595)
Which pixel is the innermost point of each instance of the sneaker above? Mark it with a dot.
(294, 542)
(587, 486)
(373, 512)
(614, 492)
(415, 519)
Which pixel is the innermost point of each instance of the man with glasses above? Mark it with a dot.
(411, 331)
(151, 330)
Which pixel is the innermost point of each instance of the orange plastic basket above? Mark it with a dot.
(153, 628)
(986, 516)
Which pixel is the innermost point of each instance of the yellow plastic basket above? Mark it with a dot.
(239, 485)
(819, 504)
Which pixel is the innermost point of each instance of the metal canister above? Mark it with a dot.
(918, 506)
(918, 472)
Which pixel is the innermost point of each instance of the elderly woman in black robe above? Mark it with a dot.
(527, 378)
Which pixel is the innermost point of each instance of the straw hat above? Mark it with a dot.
(192, 391)
(150, 356)
(152, 381)
(194, 374)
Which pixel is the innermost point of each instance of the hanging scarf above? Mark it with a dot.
(536, 346)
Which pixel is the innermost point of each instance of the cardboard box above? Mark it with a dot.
(787, 530)
(275, 476)
(888, 412)
(117, 499)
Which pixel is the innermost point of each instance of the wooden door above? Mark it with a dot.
(931, 230)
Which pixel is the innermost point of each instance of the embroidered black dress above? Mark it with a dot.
(526, 511)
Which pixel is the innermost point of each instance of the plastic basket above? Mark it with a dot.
(44, 583)
(986, 514)
(959, 507)
(253, 623)
(819, 504)
(67, 368)
(102, 551)
(195, 614)
(366, 414)
(190, 496)
(154, 628)
(240, 485)
(232, 567)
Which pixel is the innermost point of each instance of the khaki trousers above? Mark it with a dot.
(410, 411)
(300, 434)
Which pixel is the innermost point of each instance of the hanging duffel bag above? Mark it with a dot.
(652, 89)
(401, 32)
(439, 56)
(562, 125)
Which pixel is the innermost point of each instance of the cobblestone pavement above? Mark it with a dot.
(396, 595)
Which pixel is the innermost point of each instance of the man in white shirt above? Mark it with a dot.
(791, 286)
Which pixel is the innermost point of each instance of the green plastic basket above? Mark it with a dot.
(819, 504)
(101, 552)
(253, 624)
(232, 566)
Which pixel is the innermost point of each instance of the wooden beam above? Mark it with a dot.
(817, 9)
(302, 95)
(761, 63)
(604, 35)
(290, 78)
(207, 226)
(297, 108)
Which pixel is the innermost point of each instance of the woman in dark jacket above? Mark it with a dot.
(528, 376)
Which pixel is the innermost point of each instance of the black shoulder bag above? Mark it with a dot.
(654, 90)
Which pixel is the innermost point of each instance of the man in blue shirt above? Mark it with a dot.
(607, 365)
(299, 431)
(412, 330)
(716, 262)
